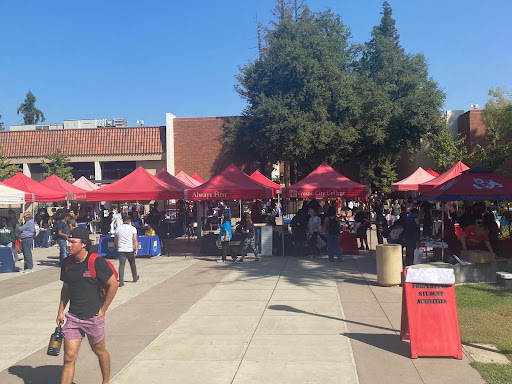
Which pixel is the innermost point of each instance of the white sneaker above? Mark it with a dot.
(28, 270)
(220, 261)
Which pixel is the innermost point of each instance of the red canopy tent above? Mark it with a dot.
(196, 177)
(432, 172)
(85, 184)
(42, 193)
(473, 184)
(230, 184)
(456, 170)
(188, 180)
(411, 182)
(57, 183)
(171, 180)
(260, 178)
(139, 185)
(325, 182)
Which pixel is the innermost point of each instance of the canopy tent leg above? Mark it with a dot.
(199, 230)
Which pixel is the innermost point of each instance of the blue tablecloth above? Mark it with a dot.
(148, 246)
(6, 260)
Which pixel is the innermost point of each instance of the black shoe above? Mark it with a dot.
(367, 248)
(361, 248)
(121, 284)
(257, 260)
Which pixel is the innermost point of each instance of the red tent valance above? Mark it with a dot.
(230, 184)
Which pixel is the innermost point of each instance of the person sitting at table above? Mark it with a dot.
(149, 231)
(137, 223)
(476, 236)
(450, 237)
(7, 234)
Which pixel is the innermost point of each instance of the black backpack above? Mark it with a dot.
(333, 227)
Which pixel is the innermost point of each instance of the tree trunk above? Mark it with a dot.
(286, 173)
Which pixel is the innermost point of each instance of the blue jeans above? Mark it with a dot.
(26, 247)
(63, 250)
(333, 246)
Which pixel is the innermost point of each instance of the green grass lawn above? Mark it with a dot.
(485, 316)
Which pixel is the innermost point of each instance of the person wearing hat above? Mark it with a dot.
(87, 304)
(127, 245)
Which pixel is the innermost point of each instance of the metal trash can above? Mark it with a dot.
(389, 264)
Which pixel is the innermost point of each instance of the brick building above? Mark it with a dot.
(107, 154)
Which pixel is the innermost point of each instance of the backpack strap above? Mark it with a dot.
(67, 263)
(91, 264)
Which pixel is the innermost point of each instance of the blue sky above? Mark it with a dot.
(139, 60)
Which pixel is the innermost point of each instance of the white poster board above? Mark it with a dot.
(266, 241)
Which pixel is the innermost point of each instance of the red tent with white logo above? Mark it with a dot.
(325, 183)
(41, 192)
(260, 178)
(456, 170)
(473, 184)
(139, 185)
(171, 180)
(411, 182)
(188, 180)
(230, 184)
(59, 184)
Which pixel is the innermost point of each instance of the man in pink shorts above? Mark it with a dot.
(87, 308)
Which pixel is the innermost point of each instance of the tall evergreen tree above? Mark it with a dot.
(401, 103)
(31, 114)
(299, 92)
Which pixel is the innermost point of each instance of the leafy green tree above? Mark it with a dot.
(497, 119)
(400, 102)
(6, 168)
(58, 164)
(446, 150)
(299, 91)
(1, 124)
(31, 114)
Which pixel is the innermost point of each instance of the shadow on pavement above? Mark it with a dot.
(296, 310)
(386, 341)
(37, 375)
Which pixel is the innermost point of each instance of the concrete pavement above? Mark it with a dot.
(191, 320)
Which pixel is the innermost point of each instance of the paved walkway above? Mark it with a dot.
(192, 320)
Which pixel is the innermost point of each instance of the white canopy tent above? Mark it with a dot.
(10, 195)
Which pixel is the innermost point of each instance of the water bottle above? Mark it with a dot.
(55, 342)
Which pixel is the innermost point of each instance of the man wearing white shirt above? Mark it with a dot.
(127, 245)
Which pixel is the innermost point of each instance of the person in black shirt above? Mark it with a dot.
(87, 308)
(411, 236)
(248, 232)
(299, 225)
